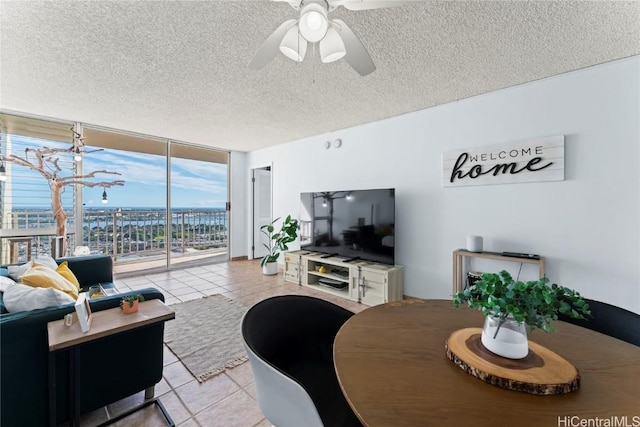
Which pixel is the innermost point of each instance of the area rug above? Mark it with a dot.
(205, 335)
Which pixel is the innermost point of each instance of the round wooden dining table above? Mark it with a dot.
(392, 366)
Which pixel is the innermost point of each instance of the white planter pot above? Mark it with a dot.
(507, 339)
(270, 268)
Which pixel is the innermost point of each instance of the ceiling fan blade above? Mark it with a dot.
(271, 46)
(357, 55)
(369, 4)
(293, 3)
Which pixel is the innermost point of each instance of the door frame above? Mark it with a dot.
(253, 227)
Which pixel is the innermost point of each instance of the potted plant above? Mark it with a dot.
(277, 242)
(510, 305)
(130, 303)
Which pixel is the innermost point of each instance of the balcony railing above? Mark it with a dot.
(122, 233)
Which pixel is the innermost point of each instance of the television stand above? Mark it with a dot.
(327, 256)
(366, 282)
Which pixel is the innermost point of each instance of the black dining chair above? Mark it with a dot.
(289, 341)
(609, 320)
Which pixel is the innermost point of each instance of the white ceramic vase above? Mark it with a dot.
(505, 337)
(270, 268)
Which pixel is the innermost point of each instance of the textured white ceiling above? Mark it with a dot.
(178, 69)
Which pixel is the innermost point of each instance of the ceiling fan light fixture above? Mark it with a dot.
(313, 22)
(293, 45)
(332, 47)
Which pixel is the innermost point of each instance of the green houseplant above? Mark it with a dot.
(510, 305)
(130, 303)
(277, 241)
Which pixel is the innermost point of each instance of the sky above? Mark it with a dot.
(194, 184)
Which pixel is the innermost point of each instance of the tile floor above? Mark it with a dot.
(227, 400)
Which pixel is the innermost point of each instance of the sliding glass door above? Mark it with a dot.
(127, 221)
(198, 199)
(148, 202)
(171, 208)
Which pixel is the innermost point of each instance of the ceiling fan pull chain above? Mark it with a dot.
(313, 69)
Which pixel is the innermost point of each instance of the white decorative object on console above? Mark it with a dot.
(474, 243)
(83, 310)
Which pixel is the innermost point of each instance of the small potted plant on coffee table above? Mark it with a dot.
(130, 303)
(510, 305)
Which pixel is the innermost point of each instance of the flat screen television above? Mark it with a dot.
(356, 224)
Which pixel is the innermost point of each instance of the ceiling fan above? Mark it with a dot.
(335, 38)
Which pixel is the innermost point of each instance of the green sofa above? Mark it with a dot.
(111, 368)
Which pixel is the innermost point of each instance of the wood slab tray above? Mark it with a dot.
(541, 372)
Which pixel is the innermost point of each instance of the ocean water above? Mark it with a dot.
(124, 217)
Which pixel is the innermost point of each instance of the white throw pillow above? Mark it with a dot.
(15, 271)
(5, 282)
(47, 261)
(24, 298)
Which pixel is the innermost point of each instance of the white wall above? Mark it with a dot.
(588, 226)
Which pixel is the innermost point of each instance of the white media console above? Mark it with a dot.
(366, 282)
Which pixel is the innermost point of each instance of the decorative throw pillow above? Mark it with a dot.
(3, 308)
(5, 282)
(15, 271)
(23, 298)
(43, 277)
(64, 271)
(47, 261)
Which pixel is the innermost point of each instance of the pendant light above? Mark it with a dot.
(332, 47)
(3, 171)
(293, 45)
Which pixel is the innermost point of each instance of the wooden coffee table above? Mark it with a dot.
(391, 364)
(104, 323)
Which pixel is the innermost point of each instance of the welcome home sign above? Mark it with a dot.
(533, 160)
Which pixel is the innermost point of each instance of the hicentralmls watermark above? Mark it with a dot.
(613, 421)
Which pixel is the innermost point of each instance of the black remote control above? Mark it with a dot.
(521, 255)
(326, 255)
(351, 259)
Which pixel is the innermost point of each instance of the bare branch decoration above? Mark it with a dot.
(47, 164)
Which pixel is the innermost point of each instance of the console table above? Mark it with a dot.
(460, 254)
(366, 282)
(104, 323)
